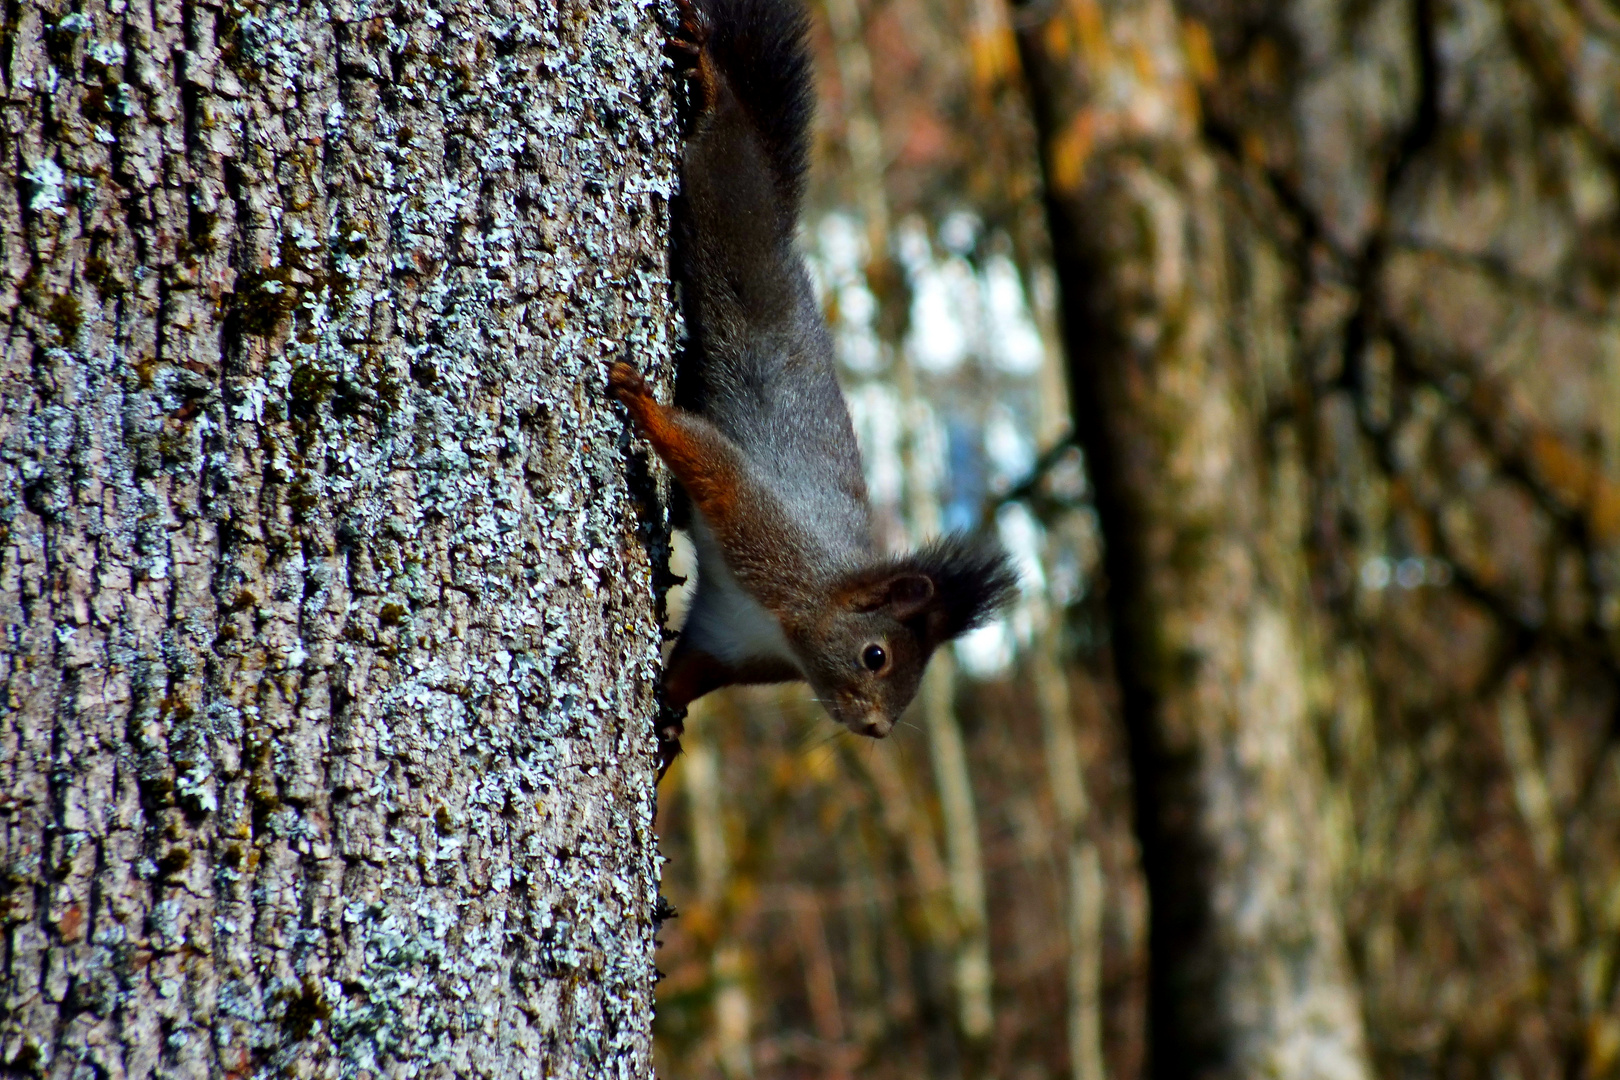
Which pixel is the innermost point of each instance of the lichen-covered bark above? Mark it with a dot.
(329, 632)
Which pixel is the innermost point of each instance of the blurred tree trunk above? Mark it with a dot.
(969, 939)
(960, 1043)
(1177, 337)
(1084, 899)
(1342, 299)
(714, 910)
(329, 641)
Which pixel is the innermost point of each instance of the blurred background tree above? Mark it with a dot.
(1320, 635)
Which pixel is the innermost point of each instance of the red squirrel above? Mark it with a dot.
(789, 584)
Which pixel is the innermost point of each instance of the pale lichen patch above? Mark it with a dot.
(318, 545)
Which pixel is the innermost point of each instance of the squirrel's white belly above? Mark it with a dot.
(725, 621)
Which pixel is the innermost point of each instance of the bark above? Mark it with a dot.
(1178, 354)
(329, 632)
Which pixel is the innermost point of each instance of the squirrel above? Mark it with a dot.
(790, 585)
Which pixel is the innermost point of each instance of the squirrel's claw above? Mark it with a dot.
(693, 32)
(625, 382)
(686, 46)
(669, 730)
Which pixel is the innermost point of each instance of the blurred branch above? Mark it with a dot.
(963, 856)
(1032, 480)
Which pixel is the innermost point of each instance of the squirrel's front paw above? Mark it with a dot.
(687, 40)
(625, 382)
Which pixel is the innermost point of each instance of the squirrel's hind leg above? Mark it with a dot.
(688, 47)
(691, 673)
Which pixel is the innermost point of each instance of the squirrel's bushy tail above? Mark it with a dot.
(758, 361)
(761, 51)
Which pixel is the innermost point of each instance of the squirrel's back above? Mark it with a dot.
(759, 363)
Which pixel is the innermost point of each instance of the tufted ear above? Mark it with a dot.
(900, 594)
(950, 586)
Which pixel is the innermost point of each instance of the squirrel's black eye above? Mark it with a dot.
(874, 657)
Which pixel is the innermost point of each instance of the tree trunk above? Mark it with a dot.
(1178, 347)
(325, 573)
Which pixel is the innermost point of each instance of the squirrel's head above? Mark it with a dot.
(865, 653)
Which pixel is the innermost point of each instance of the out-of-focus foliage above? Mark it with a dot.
(815, 929)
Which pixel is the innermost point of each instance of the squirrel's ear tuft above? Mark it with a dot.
(951, 585)
(901, 594)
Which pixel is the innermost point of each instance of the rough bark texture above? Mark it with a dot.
(1341, 283)
(328, 609)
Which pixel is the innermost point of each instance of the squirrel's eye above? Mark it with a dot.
(874, 657)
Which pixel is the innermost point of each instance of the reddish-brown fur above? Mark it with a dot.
(699, 456)
(686, 49)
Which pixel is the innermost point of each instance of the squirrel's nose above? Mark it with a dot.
(876, 726)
